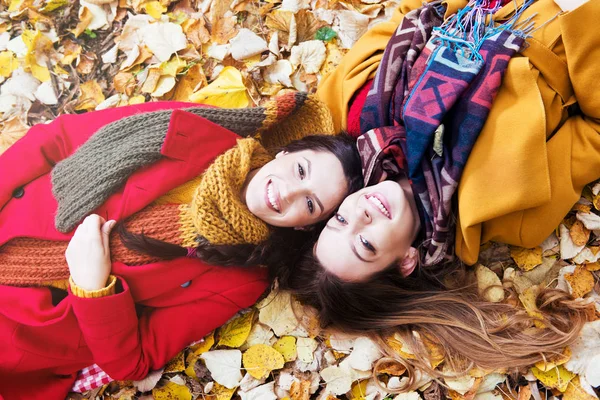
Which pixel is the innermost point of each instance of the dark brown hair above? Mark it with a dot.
(470, 330)
(284, 243)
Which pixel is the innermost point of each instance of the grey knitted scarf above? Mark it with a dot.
(97, 169)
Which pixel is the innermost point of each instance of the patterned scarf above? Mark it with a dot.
(437, 109)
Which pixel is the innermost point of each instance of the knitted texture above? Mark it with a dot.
(83, 181)
(217, 210)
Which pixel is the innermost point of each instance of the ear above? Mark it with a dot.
(281, 153)
(408, 264)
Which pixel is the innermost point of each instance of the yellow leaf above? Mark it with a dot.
(15, 5)
(37, 45)
(8, 63)
(197, 349)
(11, 131)
(397, 345)
(391, 368)
(227, 91)
(528, 298)
(124, 82)
(595, 266)
(306, 348)
(91, 96)
(488, 284)
(554, 362)
(581, 281)
(155, 9)
(52, 5)
(526, 259)
(84, 20)
(177, 364)
(235, 332)
(359, 390)
(193, 80)
(300, 390)
(333, 59)
(172, 67)
(172, 391)
(286, 345)
(139, 99)
(556, 378)
(596, 201)
(260, 359)
(221, 392)
(576, 392)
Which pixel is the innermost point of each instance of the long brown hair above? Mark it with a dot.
(470, 330)
(283, 244)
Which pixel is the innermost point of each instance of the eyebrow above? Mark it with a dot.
(352, 247)
(315, 196)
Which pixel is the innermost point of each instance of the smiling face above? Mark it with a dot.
(372, 229)
(296, 189)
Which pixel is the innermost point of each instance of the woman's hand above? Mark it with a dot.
(88, 253)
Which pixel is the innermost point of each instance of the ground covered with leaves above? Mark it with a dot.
(59, 56)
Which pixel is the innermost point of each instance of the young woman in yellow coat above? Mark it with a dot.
(541, 143)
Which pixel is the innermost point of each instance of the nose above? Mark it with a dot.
(363, 215)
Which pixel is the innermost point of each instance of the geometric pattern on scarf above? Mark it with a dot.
(444, 105)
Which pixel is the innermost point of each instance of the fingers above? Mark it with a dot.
(106, 229)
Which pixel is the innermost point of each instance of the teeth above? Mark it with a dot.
(379, 205)
(272, 196)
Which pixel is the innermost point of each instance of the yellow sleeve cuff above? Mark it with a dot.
(106, 291)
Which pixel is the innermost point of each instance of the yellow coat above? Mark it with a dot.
(532, 158)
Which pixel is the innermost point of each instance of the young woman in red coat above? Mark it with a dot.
(150, 308)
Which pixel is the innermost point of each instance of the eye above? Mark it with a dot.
(310, 205)
(301, 171)
(367, 245)
(340, 219)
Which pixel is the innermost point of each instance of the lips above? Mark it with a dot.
(380, 203)
(272, 197)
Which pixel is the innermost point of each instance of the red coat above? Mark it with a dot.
(43, 345)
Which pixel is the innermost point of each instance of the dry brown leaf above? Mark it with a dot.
(579, 233)
(300, 390)
(306, 25)
(581, 281)
(196, 32)
(191, 82)
(124, 82)
(280, 21)
(87, 61)
(91, 96)
(71, 51)
(224, 22)
(391, 368)
(524, 393)
(11, 131)
(151, 81)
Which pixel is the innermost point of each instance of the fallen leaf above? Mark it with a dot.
(163, 39)
(259, 360)
(45, 93)
(124, 82)
(246, 44)
(12, 130)
(262, 392)
(556, 378)
(85, 18)
(585, 359)
(149, 382)
(176, 364)
(391, 368)
(279, 73)
(352, 25)
(528, 299)
(91, 96)
(8, 63)
(224, 366)
(307, 26)
(192, 81)
(579, 233)
(227, 91)
(488, 284)
(235, 332)
(171, 391)
(155, 9)
(581, 281)
(276, 312)
(568, 249)
(196, 32)
(221, 392)
(460, 384)
(281, 22)
(526, 259)
(260, 334)
(339, 380)
(310, 55)
(286, 345)
(576, 392)
(364, 354)
(306, 348)
(224, 28)
(151, 80)
(554, 361)
(300, 390)
(86, 63)
(590, 220)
